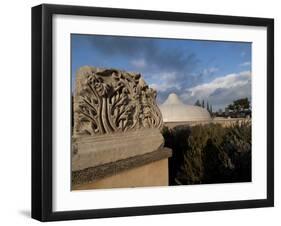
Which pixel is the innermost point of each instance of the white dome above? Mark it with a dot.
(173, 110)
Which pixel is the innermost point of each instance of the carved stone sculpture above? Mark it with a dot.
(109, 100)
(115, 118)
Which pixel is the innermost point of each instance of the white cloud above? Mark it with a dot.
(139, 63)
(245, 64)
(164, 86)
(166, 80)
(221, 91)
(228, 81)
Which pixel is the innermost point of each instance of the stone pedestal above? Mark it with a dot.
(146, 170)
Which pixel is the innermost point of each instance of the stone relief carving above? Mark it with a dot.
(109, 100)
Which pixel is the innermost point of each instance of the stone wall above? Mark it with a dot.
(223, 121)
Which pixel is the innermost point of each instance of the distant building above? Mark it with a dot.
(174, 110)
(227, 111)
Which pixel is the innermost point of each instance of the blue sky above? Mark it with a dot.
(216, 71)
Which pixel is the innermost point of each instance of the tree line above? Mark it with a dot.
(209, 107)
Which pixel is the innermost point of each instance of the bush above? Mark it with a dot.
(209, 153)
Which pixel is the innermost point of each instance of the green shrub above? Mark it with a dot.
(209, 153)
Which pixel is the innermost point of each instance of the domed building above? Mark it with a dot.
(174, 110)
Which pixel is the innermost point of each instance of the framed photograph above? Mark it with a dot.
(145, 112)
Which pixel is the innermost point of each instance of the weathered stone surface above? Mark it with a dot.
(109, 100)
(92, 151)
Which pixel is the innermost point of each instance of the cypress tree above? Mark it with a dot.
(197, 103)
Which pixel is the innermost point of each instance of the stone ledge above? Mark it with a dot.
(93, 174)
(93, 151)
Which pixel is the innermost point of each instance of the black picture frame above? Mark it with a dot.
(42, 111)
